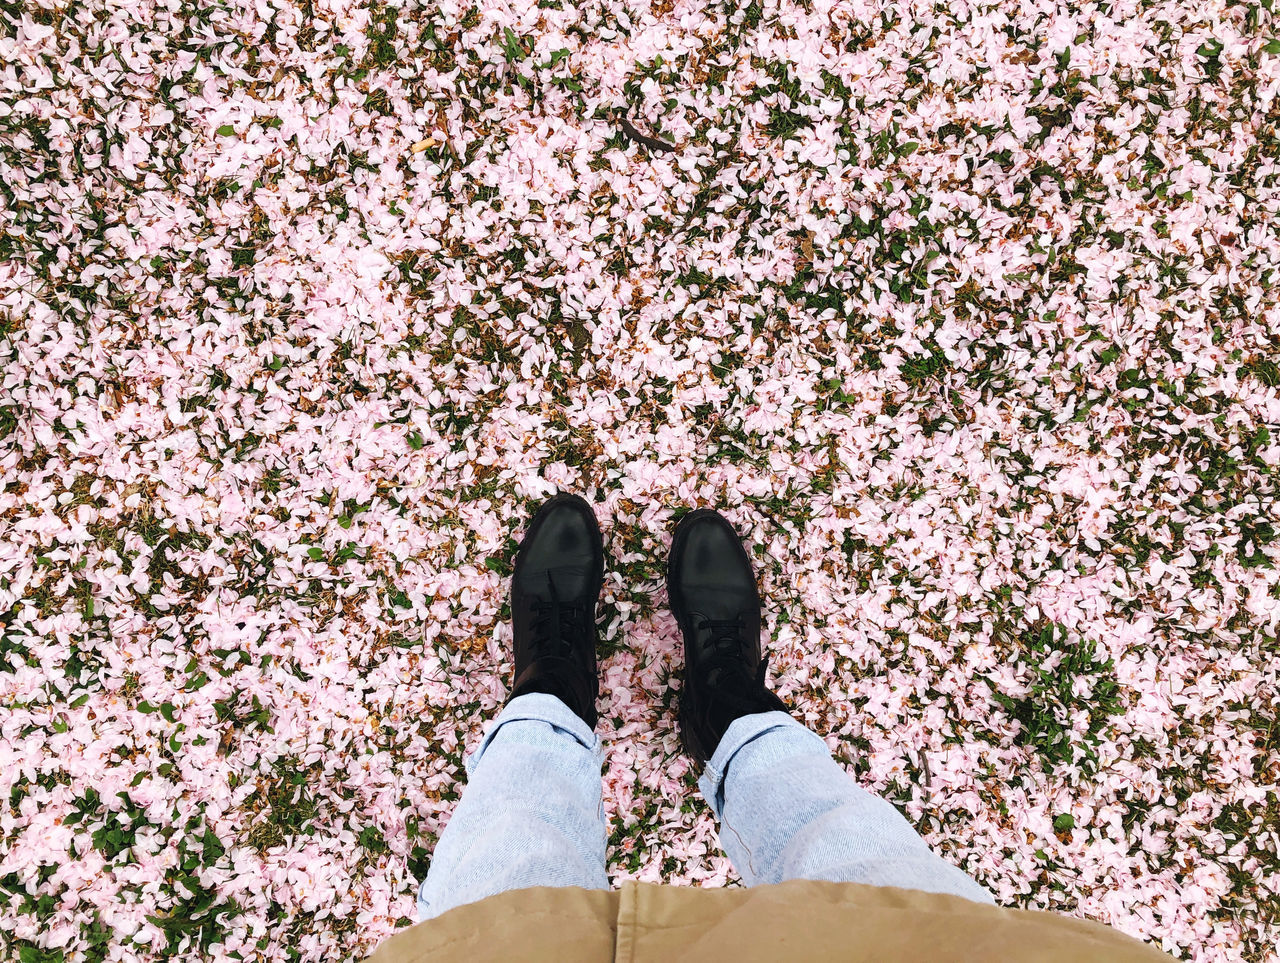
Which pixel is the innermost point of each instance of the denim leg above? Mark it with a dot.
(531, 814)
(787, 810)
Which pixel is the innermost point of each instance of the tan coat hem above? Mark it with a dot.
(799, 919)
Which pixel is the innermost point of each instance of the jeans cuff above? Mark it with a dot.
(741, 731)
(538, 707)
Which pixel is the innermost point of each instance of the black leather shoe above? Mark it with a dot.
(558, 573)
(713, 595)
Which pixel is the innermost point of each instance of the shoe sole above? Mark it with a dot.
(692, 746)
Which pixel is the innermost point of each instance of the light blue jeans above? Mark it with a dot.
(532, 813)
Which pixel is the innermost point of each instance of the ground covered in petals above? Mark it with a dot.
(964, 313)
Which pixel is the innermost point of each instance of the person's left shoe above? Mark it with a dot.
(559, 570)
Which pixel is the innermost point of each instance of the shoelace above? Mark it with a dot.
(726, 635)
(557, 624)
(742, 690)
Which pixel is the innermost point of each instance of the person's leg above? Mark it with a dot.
(531, 814)
(787, 810)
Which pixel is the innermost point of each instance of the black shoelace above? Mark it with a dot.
(734, 685)
(557, 624)
(726, 635)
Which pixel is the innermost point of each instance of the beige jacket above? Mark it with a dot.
(796, 920)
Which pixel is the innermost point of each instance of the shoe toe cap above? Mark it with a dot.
(713, 562)
(566, 543)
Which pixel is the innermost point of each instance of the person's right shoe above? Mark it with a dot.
(712, 593)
